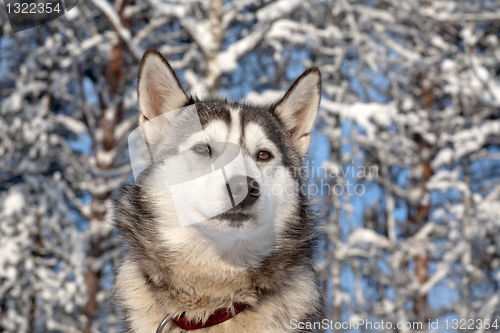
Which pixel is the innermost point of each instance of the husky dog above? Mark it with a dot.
(248, 269)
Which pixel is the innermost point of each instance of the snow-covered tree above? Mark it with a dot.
(412, 89)
(41, 251)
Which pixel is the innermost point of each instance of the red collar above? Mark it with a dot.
(219, 316)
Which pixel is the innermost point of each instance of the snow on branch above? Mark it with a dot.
(115, 21)
(461, 17)
(365, 114)
(199, 31)
(444, 267)
(228, 59)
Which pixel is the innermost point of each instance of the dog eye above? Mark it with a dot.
(201, 148)
(264, 155)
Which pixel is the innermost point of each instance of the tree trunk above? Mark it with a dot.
(114, 86)
(212, 72)
(420, 214)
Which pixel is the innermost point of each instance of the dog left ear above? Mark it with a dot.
(299, 107)
(159, 88)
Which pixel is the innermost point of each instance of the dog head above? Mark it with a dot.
(227, 172)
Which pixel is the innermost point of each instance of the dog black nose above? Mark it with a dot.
(237, 188)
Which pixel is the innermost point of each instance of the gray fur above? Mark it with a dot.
(171, 270)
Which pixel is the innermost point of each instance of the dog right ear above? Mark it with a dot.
(299, 107)
(159, 88)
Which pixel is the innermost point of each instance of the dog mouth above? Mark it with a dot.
(235, 216)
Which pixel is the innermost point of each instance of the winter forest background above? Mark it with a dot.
(411, 92)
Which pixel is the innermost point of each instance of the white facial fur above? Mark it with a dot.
(248, 242)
